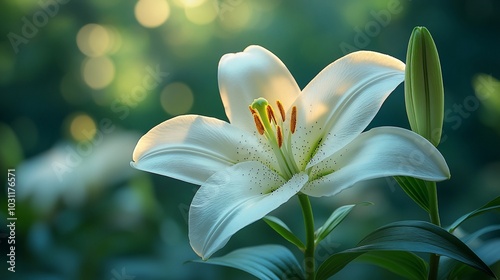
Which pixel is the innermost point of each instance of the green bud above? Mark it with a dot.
(424, 93)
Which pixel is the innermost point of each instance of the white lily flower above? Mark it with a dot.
(281, 141)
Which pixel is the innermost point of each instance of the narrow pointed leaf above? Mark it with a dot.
(492, 205)
(402, 263)
(475, 235)
(263, 262)
(415, 236)
(419, 236)
(280, 227)
(489, 252)
(416, 189)
(334, 220)
(405, 264)
(335, 263)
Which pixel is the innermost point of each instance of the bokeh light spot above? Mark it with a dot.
(82, 127)
(93, 40)
(201, 14)
(98, 72)
(236, 19)
(177, 98)
(152, 13)
(116, 40)
(192, 3)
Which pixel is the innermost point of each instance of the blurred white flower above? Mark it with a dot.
(69, 171)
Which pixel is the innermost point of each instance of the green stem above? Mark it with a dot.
(433, 201)
(309, 260)
(434, 217)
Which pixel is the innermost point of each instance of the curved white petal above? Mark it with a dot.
(338, 104)
(380, 152)
(192, 148)
(234, 198)
(251, 74)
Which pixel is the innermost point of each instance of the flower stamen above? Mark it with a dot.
(282, 110)
(293, 122)
(258, 124)
(270, 114)
(272, 129)
(279, 135)
(252, 110)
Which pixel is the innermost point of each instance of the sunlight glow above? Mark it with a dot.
(93, 40)
(203, 14)
(177, 98)
(192, 3)
(236, 19)
(152, 13)
(82, 127)
(98, 72)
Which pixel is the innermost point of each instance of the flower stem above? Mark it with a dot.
(309, 260)
(434, 217)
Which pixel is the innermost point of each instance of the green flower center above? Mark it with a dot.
(271, 127)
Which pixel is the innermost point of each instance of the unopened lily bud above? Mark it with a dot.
(424, 93)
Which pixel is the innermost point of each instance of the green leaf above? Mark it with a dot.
(280, 227)
(404, 264)
(263, 262)
(335, 263)
(424, 92)
(334, 220)
(492, 205)
(415, 236)
(416, 189)
(489, 251)
(475, 235)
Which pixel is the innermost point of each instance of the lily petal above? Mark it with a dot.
(192, 148)
(380, 152)
(338, 104)
(234, 198)
(251, 74)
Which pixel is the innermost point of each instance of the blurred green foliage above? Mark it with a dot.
(72, 109)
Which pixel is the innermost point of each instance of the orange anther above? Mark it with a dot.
(282, 110)
(270, 114)
(252, 110)
(293, 122)
(279, 135)
(258, 124)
